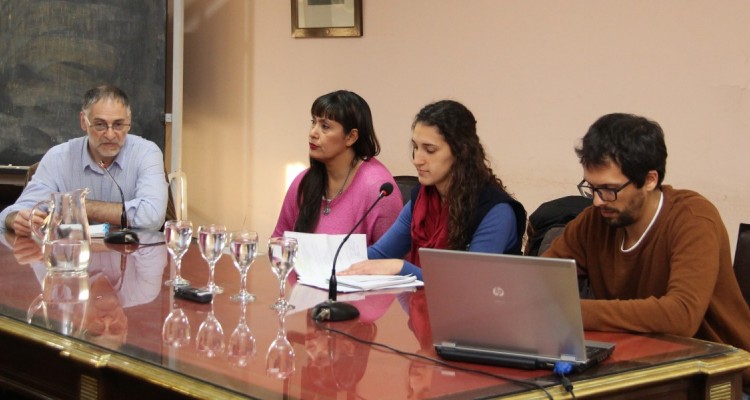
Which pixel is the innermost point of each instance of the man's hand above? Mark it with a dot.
(102, 211)
(19, 221)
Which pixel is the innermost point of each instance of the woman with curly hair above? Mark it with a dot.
(459, 203)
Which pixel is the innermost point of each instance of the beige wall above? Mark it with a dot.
(536, 74)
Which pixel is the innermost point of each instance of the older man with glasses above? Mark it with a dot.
(658, 259)
(136, 164)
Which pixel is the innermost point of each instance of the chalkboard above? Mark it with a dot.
(52, 52)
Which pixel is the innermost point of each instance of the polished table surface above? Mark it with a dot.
(119, 329)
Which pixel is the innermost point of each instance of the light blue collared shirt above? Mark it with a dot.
(138, 169)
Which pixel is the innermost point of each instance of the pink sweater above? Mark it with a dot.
(349, 207)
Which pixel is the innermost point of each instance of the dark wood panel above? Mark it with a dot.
(29, 370)
(37, 370)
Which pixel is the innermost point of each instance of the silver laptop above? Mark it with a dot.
(513, 311)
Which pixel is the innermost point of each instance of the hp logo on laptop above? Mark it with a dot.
(497, 291)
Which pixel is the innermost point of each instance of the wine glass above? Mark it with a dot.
(176, 329)
(210, 338)
(177, 236)
(241, 347)
(243, 246)
(211, 241)
(282, 252)
(280, 355)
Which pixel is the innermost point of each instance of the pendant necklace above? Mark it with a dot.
(328, 201)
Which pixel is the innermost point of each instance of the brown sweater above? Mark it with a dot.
(678, 280)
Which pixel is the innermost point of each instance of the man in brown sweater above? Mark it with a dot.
(657, 258)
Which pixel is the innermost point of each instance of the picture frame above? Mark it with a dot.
(326, 18)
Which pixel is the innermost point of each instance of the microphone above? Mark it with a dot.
(124, 235)
(331, 310)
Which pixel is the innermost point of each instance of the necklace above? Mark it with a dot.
(328, 201)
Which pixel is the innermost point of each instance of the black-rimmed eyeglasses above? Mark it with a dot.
(606, 194)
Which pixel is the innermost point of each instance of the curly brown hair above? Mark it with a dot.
(471, 170)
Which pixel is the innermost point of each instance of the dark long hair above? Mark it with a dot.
(471, 170)
(352, 112)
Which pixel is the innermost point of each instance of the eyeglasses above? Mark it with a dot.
(101, 126)
(606, 194)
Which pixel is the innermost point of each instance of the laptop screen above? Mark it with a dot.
(517, 304)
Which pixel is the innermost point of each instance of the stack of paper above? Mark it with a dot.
(99, 230)
(374, 282)
(314, 263)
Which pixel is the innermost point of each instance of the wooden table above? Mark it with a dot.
(111, 346)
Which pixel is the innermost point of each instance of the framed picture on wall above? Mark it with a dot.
(326, 18)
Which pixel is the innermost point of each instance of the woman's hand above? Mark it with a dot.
(375, 267)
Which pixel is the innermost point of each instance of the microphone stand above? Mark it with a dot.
(124, 235)
(332, 310)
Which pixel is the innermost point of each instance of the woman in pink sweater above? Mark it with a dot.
(344, 178)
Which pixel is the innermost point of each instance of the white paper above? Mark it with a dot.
(315, 254)
(98, 231)
(373, 282)
(315, 261)
(359, 283)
